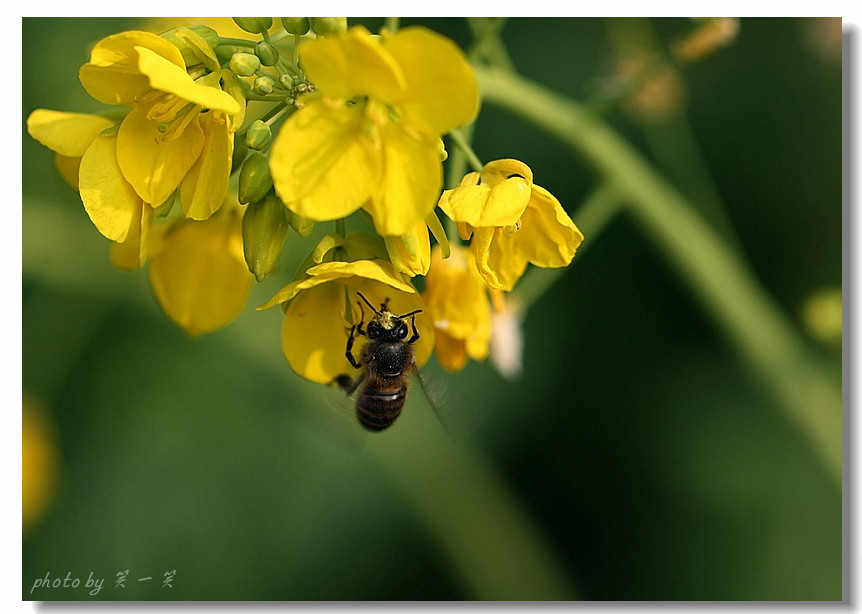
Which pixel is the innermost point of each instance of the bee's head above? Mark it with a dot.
(386, 325)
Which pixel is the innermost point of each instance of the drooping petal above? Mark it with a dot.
(352, 65)
(68, 134)
(506, 258)
(548, 237)
(196, 276)
(411, 183)
(319, 166)
(442, 92)
(204, 187)
(112, 204)
(155, 168)
(112, 75)
(165, 76)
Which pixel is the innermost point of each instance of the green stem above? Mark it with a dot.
(463, 143)
(727, 289)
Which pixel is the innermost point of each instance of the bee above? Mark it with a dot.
(386, 362)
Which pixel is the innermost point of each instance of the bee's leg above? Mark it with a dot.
(348, 384)
(415, 335)
(349, 352)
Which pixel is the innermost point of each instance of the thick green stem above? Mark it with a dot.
(724, 283)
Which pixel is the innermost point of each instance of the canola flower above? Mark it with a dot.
(212, 147)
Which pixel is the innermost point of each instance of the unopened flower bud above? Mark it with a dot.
(302, 225)
(295, 25)
(255, 25)
(244, 64)
(182, 43)
(264, 230)
(240, 149)
(329, 26)
(254, 178)
(258, 135)
(267, 53)
(263, 85)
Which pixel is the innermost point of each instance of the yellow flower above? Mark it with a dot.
(320, 307)
(370, 137)
(198, 273)
(165, 135)
(458, 305)
(88, 143)
(512, 221)
(40, 462)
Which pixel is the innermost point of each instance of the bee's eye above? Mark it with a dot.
(401, 333)
(373, 330)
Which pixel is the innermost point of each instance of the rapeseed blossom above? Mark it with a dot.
(212, 147)
(512, 222)
(320, 306)
(369, 137)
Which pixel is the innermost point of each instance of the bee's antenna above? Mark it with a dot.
(369, 304)
(405, 315)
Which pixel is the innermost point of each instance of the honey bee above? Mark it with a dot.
(386, 362)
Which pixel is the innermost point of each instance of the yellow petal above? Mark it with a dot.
(68, 134)
(352, 65)
(506, 258)
(319, 166)
(205, 185)
(68, 169)
(498, 170)
(451, 352)
(112, 204)
(548, 237)
(166, 76)
(112, 75)
(410, 186)
(481, 205)
(442, 92)
(196, 277)
(155, 168)
(313, 335)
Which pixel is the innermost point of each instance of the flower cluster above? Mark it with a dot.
(210, 149)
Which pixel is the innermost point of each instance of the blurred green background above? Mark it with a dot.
(636, 458)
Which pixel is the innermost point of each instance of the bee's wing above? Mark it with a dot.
(438, 398)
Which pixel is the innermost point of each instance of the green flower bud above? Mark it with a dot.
(295, 25)
(254, 178)
(267, 53)
(302, 225)
(328, 26)
(263, 85)
(264, 230)
(255, 25)
(240, 150)
(259, 135)
(209, 36)
(244, 64)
